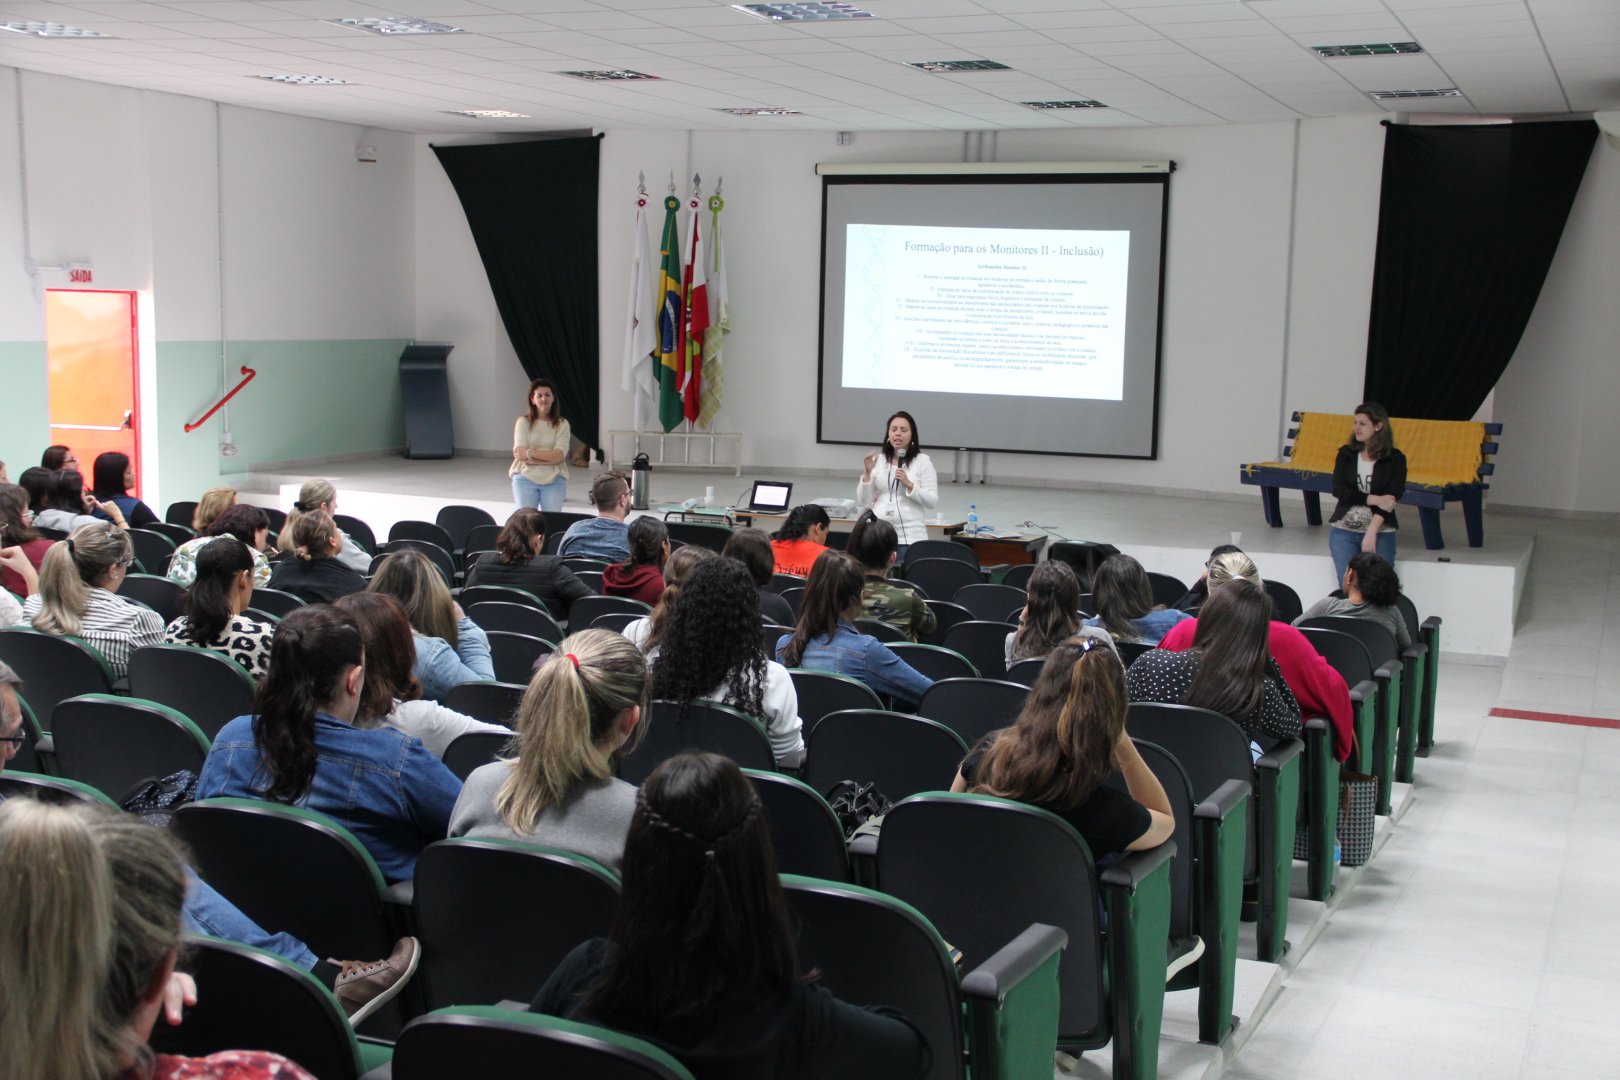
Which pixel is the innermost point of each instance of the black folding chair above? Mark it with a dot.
(475, 749)
(899, 753)
(275, 601)
(518, 1044)
(358, 531)
(805, 832)
(587, 609)
(163, 596)
(935, 661)
(699, 726)
(53, 668)
(515, 619)
(115, 743)
(491, 702)
(515, 655)
(152, 550)
(458, 521)
(973, 708)
(823, 692)
(946, 615)
(209, 689)
(984, 642)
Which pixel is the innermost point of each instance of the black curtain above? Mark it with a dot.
(532, 208)
(1468, 221)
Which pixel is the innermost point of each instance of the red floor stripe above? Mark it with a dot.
(1558, 718)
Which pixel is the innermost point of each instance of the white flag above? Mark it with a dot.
(641, 325)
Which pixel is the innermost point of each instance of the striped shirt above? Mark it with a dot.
(115, 627)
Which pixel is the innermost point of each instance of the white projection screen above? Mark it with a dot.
(1007, 311)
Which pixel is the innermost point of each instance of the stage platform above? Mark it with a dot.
(1476, 590)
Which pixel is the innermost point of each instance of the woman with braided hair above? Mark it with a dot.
(702, 960)
(713, 650)
(559, 790)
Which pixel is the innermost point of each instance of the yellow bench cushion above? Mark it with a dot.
(1438, 452)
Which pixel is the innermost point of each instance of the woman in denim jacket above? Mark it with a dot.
(302, 747)
(451, 649)
(826, 639)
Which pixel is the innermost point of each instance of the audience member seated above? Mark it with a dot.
(647, 632)
(313, 573)
(302, 748)
(1051, 614)
(874, 544)
(825, 637)
(451, 649)
(583, 704)
(713, 651)
(1228, 669)
(69, 506)
(641, 576)
(110, 480)
(88, 950)
(391, 694)
(801, 540)
(219, 595)
(605, 536)
(702, 960)
(517, 562)
(76, 597)
(210, 505)
(1198, 591)
(1319, 689)
(17, 531)
(1371, 591)
(11, 613)
(360, 986)
(244, 522)
(1124, 600)
(320, 496)
(37, 482)
(752, 548)
(59, 457)
(1068, 739)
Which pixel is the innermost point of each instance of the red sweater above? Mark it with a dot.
(1319, 689)
(35, 550)
(644, 583)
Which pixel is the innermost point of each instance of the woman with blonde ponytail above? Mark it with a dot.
(88, 948)
(320, 495)
(77, 582)
(581, 706)
(313, 573)
(1063, 747)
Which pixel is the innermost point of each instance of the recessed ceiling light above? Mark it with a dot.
(1080, 103)
(1391, 95)
(765, 111)
(490, 114)
(304, 80)
(50, 29)
(1386, 48)
(396, 26)
(610, 76)
(813, 12)
(941, 67)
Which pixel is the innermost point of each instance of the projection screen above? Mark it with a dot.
(1010, 310)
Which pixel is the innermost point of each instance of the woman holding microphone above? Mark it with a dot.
(898, 482)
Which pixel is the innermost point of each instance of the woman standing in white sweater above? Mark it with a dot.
(899, 483)
(539, 469)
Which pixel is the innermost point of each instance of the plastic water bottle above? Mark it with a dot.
(1338, 853)
(973, 519)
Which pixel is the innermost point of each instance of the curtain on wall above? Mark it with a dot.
(1468, 221)
(532, 209)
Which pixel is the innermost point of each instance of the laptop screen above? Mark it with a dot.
(770, 495)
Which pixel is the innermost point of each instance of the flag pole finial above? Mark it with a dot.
(641, 183)
(672, 181)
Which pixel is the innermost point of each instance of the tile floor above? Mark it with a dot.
(1484, 939)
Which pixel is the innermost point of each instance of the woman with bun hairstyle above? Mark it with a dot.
(540, 441)
(78, 583)
(874, 544)
(1066, 742)
(314, 573)
(519, 562)
(241, 521)
(111, 477)
(581, 707)
(320, 495)
(898, 481)
(1369, 478)
(702, 958)
(301, 747)
(216, 606)
(641, 576)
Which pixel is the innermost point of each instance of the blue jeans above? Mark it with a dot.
(207, 912)
(548, 498)
(1344, 545)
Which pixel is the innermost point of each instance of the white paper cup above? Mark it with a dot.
(1237, 539)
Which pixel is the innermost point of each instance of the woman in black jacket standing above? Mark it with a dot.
(1369, 477)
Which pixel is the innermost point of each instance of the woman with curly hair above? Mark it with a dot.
(646, 632)
(713, 650)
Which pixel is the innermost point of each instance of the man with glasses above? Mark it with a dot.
(605, 536)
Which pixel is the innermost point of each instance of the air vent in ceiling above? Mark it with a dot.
(1377, 48)
(813, 12)
(394, 25)
(946, 67)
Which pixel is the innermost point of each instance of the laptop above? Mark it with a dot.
(770, 497)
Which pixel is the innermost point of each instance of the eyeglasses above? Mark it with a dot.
(16, 741)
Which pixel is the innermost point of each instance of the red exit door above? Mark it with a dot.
(90, 349)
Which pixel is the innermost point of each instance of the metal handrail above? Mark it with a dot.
(248, 374)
